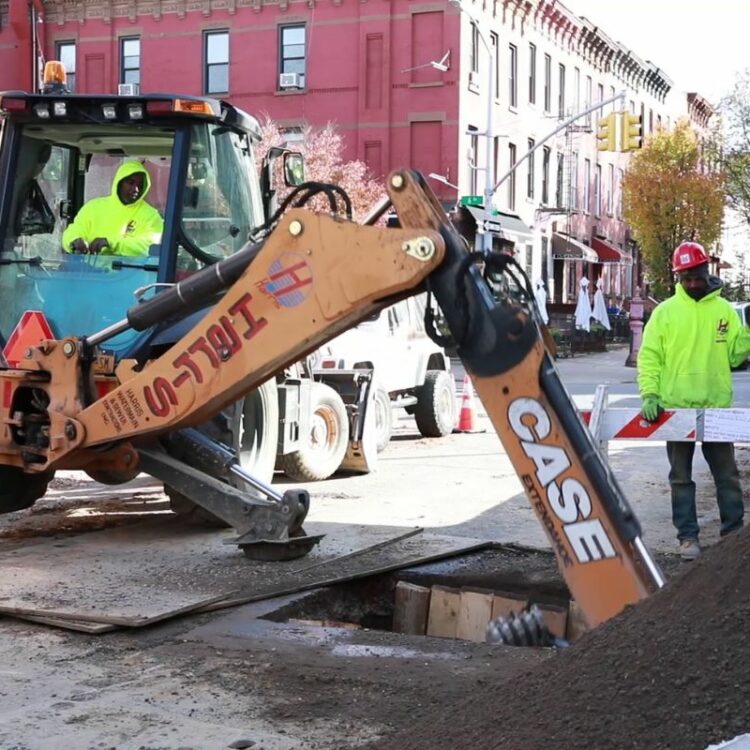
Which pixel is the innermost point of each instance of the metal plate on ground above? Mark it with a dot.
(146, 572)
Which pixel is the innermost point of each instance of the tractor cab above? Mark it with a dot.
(59, 151)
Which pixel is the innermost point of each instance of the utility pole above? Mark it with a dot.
(485, 243)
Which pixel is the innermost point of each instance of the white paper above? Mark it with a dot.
(727, 426)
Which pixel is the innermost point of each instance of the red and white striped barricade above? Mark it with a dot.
(686, 425)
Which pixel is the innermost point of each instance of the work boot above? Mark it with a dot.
(690, 549)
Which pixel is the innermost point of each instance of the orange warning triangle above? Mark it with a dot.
(31, 330)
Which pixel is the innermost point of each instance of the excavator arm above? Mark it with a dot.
(313, 277)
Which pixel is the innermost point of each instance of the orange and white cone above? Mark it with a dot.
(467, 419)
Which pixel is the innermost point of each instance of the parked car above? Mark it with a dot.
(410, 370)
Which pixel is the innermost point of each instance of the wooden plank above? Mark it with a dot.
(577, 625)
(410, 609)
(443, 615)
(555, 618)
(80, 626)
(506, 605)
(474, 614)
(371, 548)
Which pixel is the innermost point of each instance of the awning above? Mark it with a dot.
(565, 247)
(609, 253)
(508, 226)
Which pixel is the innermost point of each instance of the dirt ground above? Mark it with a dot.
(670, 673)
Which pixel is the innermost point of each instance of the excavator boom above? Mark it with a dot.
(313, 277)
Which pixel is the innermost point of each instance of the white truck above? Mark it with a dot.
(409, 369)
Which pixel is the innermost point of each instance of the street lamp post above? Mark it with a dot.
(489, 176)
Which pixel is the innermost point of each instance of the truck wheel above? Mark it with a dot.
(21, 490)
(321, 454)
(435, 412)
(383, 417)
(251, 428)
(255, 432)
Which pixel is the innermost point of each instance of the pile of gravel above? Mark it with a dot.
(671, 672)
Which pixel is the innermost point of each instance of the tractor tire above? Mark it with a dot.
(251, 428)
(435, 412)
(21, 490)
(383, 417)
(324, 448)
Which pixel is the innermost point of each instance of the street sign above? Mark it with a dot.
(491, 226)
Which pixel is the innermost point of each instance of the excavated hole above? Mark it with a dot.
(369, 603)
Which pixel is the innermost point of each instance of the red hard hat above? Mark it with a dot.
(688, 255)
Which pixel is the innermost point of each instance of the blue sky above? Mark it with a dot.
(699, 45)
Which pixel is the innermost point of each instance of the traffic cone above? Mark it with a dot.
(467, 420)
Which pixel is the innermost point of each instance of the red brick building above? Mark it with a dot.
(407, 83)
(361, 65)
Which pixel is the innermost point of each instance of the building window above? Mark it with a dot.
(496, 157)
(545, 175)
(513, 74)
(512, 178)
(559, 201)
(474, 61)
(130, 60)
(66, 54)
(292, 47)
(532, 73)
(600, 94)
(620, 176)
(576, 90)
(587, 186)
(573, 199)
(530, 176)
(589, 94)
(613, 103)
(495, 42)
(529, 264)
(610, 187)
(561, 93)
(598, 190)
(217, 62)
(474, 146)
(547, 83)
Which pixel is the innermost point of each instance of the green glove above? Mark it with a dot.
(650, 409)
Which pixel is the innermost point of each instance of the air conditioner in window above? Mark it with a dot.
(290, 81)
(128, 89)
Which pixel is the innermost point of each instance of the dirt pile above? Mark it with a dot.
(669, 673)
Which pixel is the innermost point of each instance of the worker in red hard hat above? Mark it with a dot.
(690, 343)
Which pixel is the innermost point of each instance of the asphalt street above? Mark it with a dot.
(465, 485)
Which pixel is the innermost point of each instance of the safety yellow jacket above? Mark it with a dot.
(688, 348)
(130, 229)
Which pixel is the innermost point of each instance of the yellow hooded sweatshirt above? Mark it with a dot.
(130, 228)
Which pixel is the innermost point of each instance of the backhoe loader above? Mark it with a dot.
(302, 278)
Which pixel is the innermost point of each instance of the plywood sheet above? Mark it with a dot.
(143, 573)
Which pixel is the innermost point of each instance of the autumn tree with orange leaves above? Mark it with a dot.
(323, 149)
(667, 198)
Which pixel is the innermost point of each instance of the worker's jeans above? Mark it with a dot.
(720, 459)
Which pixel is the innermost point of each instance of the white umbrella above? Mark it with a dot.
(583, 308)
(600, 307)
(541, 301)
